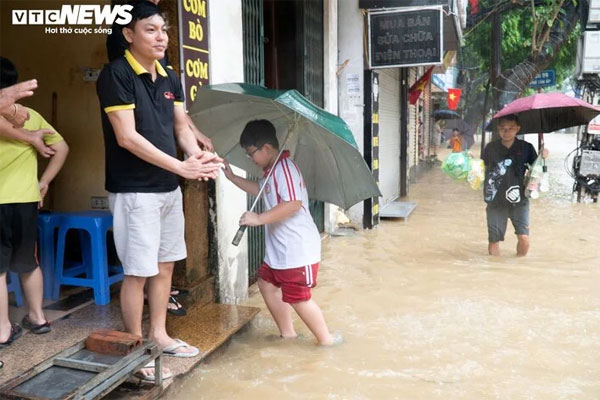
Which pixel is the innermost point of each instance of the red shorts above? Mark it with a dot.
(295, 283)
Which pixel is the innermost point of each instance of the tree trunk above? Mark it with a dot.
(513, 81)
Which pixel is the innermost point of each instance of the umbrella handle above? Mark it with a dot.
(238, 236)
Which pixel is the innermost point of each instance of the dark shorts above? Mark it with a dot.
(497, 218)
(295, 283)
(18, 237)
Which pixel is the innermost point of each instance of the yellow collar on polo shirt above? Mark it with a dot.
(137, 67)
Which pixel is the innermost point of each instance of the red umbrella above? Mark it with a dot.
(549, 112)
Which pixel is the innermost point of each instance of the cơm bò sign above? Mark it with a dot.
(405, 38)
(194, 41)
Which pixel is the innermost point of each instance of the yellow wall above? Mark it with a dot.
(58, 62)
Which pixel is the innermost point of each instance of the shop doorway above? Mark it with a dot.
(283, 49)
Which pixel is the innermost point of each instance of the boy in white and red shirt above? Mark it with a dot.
(293, 244)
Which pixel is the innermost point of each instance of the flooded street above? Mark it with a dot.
(427, 314)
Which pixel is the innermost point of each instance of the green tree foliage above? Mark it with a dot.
(521, 56)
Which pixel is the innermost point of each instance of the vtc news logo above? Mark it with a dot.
(74, 15)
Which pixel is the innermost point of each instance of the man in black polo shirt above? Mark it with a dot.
(142, 119)
(506, 161)
(115, 48)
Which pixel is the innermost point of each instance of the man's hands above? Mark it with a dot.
(250, 218)
(202, 139)
(200, 166)
(205, 142)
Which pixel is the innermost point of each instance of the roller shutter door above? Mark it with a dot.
(389, 135)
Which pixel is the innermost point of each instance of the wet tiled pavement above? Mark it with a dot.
(206, 327)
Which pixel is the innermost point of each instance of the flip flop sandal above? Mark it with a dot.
(179, 310)
(180, 292)
(150, 378)
(170, 350)
(35, 328)
(15, 332)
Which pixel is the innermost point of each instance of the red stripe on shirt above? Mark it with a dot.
(289, 179)
(297, 170)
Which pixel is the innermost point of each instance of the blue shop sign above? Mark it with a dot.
(439, 82)
(544, 79)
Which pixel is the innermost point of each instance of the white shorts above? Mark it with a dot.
(148, 229)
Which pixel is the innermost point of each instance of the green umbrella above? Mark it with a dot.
(319, 142)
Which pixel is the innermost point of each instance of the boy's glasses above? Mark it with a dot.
(251, 154)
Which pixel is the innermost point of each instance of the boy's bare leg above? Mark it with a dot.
(4, 321)
(494, 249)
(522, 245)
(132, 303)
(312, 316)
(281, 312)
(33, 286)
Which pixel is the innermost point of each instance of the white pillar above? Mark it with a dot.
(350, 78)
(330, 83)
(227, 65)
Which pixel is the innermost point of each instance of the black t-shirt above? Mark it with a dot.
(124, 84)
(501, 161)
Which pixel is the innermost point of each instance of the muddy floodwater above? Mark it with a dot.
(427, 314)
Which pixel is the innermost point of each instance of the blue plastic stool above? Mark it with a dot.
(93, 226)
(47, 225)
(15, 286)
